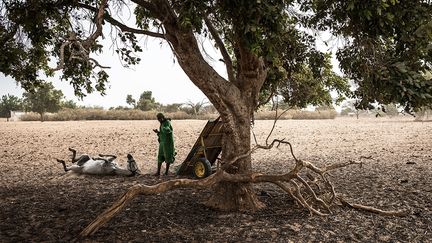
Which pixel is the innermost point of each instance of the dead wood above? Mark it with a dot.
(398, 213)
(291, 182)
(297, 185)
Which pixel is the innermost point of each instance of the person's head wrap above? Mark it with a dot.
(160, 116)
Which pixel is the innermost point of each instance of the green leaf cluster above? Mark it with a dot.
(146, 102)
(386, 52)
(9, 103)
(44, 98)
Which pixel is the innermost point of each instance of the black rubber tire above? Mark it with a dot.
(202, 168)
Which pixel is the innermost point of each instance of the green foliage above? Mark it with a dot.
(192, 108)
(43, 99)
(112, 114)
(9, 103)
(146, 102)
(32, 31)
(130, 100)
(297, 71)
(345, 111)
(388, 47)
(68, 104)
(387, 44)
(171, 107)
(296, 114)
(391, 110)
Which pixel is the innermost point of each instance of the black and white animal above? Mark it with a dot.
(102, 165)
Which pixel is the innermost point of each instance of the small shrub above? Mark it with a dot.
(100, 114)
(31, 116)
(310, 115)
(423, 114)
(296, 115)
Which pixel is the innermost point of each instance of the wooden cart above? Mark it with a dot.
(204, 152)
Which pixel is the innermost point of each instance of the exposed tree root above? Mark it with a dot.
(399, 213)
(298, 183)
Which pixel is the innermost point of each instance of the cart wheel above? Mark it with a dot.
(202, 168)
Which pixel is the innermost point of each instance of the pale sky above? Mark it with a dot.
(157, 72)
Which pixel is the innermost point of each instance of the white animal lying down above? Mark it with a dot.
(103, 165)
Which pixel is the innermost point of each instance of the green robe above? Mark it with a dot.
(166, 143)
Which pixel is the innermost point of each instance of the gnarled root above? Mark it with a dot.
(306, 183)
(399, 213)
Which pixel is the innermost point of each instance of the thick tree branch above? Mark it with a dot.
(223, 50)
(166, 11)
(83, 47)
(292, 177)
(148, 5)
(146, 190)
(272, 93)
(99, 21)
(399, 213)
(120, 25)
(61, 61)
(223, 95)
(303, 201)
(312, 192)
(252, 71)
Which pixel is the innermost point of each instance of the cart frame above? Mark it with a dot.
(204, 152)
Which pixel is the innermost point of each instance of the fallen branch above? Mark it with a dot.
(291, 182)
(398, 213)
(144, 190)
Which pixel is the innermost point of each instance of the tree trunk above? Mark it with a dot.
(41, 117)
(237, 140)
(235, 100)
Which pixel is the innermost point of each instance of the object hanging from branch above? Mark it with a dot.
(80, 49)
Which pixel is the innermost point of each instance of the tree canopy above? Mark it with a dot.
(43, 99)
(146, 102)
(9, 103)
(386, 43)
(268, 48)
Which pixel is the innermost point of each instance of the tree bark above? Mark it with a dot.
(235, 102)
(230, 196)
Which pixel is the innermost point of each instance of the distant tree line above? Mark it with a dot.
(146, 102)
(349, 108)
(46, 99)
(42, 99)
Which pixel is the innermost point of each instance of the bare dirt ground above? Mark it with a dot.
(40, 202)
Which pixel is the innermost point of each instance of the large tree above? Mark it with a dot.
(44, 98)
(9, 103)
(146, 102)
(268, 48)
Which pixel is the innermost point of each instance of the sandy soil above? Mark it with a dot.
(40, 202)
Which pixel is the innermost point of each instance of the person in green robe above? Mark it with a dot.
(166, 143)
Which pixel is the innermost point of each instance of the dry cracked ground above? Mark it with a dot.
(40, 202)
